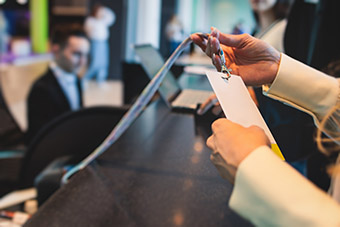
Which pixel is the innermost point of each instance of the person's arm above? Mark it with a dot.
(258, 64)
(107, 16)
(304, 88)
(269, 192)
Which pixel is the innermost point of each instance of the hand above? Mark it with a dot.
(209, 103)
(231, 144)
(252, 59)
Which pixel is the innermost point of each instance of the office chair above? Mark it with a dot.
(74, 134)
(134, 79)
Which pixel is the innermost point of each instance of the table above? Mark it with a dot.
(157, 174)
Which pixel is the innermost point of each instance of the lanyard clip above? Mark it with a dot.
(224, 68)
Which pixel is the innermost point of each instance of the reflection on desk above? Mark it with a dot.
(195, 82)
(157, 174)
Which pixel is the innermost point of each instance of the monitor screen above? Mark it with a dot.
(152, 62)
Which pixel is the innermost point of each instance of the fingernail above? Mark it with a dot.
(213, 31)
(213, 58)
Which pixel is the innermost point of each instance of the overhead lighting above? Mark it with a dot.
(2, 1)
(22, 2)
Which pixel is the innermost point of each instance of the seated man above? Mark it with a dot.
(59, 89)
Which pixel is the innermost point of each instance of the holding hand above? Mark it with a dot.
(252, 59)
(231, 144)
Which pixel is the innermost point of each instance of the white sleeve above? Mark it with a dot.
(107, 16)
(88, 26)
(304, 88)
(269, 192)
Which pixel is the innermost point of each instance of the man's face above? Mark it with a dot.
(73, 56)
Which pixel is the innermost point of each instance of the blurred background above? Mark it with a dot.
(137, 21)
(25, 27)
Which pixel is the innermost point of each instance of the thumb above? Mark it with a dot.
(232, 40)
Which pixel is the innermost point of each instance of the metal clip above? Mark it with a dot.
(224, 68)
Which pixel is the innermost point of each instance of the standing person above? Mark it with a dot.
(174, 32)
(97, 29)
(271, 18)
(239, 28)
(59, 90)
(267, 191)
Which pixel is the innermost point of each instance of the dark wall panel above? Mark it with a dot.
(117, 36)
(168, 9)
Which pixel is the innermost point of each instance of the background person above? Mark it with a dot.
(174, 32)
(59, 89)
(97, 29)
(289, 126)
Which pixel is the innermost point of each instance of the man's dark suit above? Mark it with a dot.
(46, 101)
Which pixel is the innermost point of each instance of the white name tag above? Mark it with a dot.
(237, 104)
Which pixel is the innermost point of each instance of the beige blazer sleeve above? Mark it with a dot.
(304, 88)
(268, 191)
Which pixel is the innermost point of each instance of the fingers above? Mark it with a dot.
(210, 104)
(210, 46)
(226, 171)
(210, 142)
(221, 124)
(216, 60)
(229, 140)
(259, 131)
(233, 40)
(213, 46)
(215, 32)
(200, 41)
(208, 101)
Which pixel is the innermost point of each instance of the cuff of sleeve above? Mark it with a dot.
(266, 187)
(303, 87)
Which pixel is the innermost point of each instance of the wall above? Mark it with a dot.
(117, 36)
(169, 7)
(143, 25)
(223, 14)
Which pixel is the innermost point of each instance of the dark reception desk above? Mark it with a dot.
(157, 174)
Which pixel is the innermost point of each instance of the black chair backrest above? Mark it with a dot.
(76, 133)
(134, 79)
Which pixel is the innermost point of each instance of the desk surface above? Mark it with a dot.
(195, 82)
(157, 174)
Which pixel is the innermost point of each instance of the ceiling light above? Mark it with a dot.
(22, 2)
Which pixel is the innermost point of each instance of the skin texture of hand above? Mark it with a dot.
(252, 59)
(231, 144)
